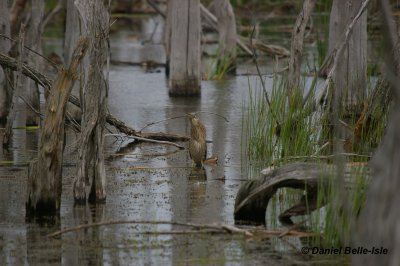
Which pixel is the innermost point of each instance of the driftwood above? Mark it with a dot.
(254, 195)
(11, 63)
(270, 48)
(45, 174)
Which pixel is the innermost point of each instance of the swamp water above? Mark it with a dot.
(146, 182)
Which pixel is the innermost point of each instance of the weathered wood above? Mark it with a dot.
(271, 49)
(227, 31)
(184, 78)
(45, 174)
(16, 15)
(5, 94)
(15, 94)
(33, 41)
(378, 224)
(167, 37)
(213, 22)
(296, 50)
(72, 33)
(10, 63)
(91, 170)
(254, 195)
(350, 76)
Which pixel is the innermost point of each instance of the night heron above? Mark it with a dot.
(197, 142)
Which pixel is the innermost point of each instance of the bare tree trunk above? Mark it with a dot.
(5, 97)
(185, 62)
(95, 18)
(296, 51)
(16, 15)
(227, 31)
(378, 224)
(167, 37)
(72, 33)
(45, 174)
(16, 93)
(351, 73)
(34, 36)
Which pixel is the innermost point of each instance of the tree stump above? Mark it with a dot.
(184, 65)
(45, 173)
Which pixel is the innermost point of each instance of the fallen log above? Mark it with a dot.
(11, 63)
(254, 195)
(270, 49)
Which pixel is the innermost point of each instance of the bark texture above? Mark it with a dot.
(5, 97)
(72, 33)
(33, 41)
(184, 78)
(351, 71)
(45, 173)
(378, 224)
(296, 51)
(91, 170)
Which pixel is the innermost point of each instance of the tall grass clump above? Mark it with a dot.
(220, 66)
(278, 132)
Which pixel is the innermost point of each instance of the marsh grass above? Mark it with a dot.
(219, 67)
(283, 132)
(278, 133)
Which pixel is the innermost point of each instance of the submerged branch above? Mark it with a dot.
(250, 232)
(222, 227)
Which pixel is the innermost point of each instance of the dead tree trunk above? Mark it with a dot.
(15, 94)
(72, 33)
(378, 224)
(45, 173)
(33, 41)
(350, 77)
(296, 51)
(5, 97)
(16, 10)
(91, 169)
(184, 79)
(227, 32)
(167, 37)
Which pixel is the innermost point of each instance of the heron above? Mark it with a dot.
(197, 142)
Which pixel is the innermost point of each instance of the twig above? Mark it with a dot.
(49, 16)
(159, 121)
(234, 229)
(230, 229)
(226, 119)
(53, 64)
(180, 116)
(291, 228)
(156, 8)
(254, 54)
(149, 140)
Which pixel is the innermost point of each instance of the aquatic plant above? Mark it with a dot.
(278, 133)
